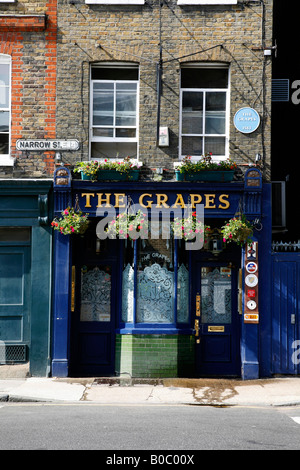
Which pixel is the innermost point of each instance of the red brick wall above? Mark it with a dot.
(30, 40)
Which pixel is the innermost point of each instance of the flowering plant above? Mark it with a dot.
(206, 164)
(128, 225)
(188, 227)
(71, 222)
(92, 167)
(123, 166)
(87, 168)
(238, 230)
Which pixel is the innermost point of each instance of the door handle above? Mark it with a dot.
(197, 331)
(197, 327)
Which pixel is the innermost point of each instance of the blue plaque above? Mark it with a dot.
(247, 120)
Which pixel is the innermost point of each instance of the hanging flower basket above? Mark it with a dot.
(128, 226)
(238, 230)
(187, 228)
(72, 222)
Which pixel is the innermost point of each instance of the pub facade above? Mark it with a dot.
(159, 84)
(152, 84)
(156, 307)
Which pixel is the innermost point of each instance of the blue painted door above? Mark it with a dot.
(14, 294)
(285, 313)
(94, 309)
(216, 320)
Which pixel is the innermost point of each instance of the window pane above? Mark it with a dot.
(204, 78)
(115, 73)
(183, 283)
(103, 104)
(192, 146)
(215, 145)
(4, 144)
(4, 74)
(215, 115)
(113, 150)
(103, 132)
(126, 104)
(192, 112)
(215, 296)
(155, 282)
(4, 97)
(126, 133)
(95, 294)
(4, 121)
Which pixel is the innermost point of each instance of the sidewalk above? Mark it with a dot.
(122, 391)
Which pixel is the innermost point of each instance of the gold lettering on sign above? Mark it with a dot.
(224, 199)
(146, 200)
(195, 199)
(179, 202)
(106, 199)
(119, 198)
(162, 201)
(141, 200)
(210, 201)
(88, 198)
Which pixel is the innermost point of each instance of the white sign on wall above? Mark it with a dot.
(50, 145)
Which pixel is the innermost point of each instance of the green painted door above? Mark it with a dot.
(14, 294)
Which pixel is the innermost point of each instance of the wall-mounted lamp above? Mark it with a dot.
(215, 243)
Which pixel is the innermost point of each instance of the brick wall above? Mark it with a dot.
(131, 33)
(28, 33)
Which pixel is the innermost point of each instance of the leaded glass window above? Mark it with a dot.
(154, 271)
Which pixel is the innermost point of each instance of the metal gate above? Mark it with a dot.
(285, 313)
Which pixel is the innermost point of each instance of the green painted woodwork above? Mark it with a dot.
(25, 270)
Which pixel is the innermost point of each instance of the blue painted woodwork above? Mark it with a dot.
(218, 352)
(253, 197)
(256, 339)
(285, 305)
(61, 305)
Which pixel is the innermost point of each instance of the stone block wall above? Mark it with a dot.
(234, 34)
(54, 43)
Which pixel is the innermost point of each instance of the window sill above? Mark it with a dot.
(206, 2)
(7, 161)
(115, 2)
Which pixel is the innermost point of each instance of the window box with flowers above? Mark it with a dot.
(109, 170)
(72, 222)
(205, 170)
